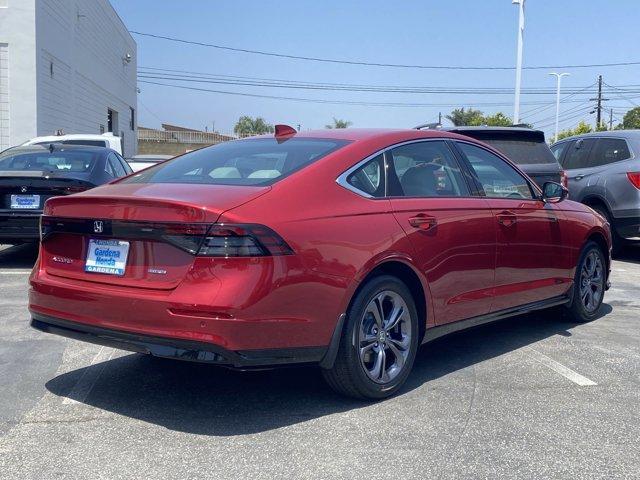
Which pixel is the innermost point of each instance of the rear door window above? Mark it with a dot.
(578, 154)
(425, 169)
(609, 150)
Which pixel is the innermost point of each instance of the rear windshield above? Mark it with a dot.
(57, 162)
(246, 162)
(523, 152)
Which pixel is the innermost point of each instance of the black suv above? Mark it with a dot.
(523, 146)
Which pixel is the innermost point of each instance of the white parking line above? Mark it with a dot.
(566, 372)
(15, 272)
(81, 390)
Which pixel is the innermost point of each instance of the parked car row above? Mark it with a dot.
(342, 248)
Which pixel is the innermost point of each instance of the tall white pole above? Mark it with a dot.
(516, 108)
(559, 80)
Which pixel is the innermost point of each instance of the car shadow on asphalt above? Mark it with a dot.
(18, 256)
(207, 400)
(630, 254)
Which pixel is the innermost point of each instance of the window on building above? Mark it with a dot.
(112, 121)
(132, 120)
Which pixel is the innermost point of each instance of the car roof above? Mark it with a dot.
(631, 134)
(485, 128)
(75, 136)
(359, 134)
(58, 147)
(483, 132)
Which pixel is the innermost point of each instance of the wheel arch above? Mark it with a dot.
(399, 267)
(592, 200)
(402, 268)
(600, 239)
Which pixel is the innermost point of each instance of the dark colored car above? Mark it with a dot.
(343, 248)
(30, 175)
(523, 146)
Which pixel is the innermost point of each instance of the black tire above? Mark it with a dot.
(349, 376)
(576, 310)
(617, 242)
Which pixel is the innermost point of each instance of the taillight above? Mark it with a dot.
(564, 179)
(242, 240)
(634, 177)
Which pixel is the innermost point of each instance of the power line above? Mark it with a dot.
(343, 87)
(313, 100)
(363, 63)
(562, 100)
(566, 119)
(622, 96)
(178, 74)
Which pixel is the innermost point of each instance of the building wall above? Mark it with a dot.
(81, 73)
(18, 112)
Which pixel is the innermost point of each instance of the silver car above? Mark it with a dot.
(603, 169)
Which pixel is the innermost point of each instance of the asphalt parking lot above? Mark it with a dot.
(532, 397)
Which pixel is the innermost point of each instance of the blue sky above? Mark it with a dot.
(428, 32)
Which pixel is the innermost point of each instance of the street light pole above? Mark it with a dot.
(559, 80)
(516, 108)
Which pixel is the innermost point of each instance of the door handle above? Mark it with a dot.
(507, 218)
(578, 177)
(423, 222)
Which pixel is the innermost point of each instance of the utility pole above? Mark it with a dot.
(516, 107)
(439, 118)
(599, 101)
(559, 79)
(611, 119)
(599, 107)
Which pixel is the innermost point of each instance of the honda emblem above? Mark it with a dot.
(98, 226)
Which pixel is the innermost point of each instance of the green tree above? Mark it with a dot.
(631, 119)
(582, 127)
(252, 126)
(498, 120)
(337, 123)
(461, 117)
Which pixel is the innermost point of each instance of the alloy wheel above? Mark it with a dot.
(384, 336)
(591, 282)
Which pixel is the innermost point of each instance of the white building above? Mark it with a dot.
(66, 65)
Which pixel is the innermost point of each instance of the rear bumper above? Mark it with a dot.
(176, 348)
(20, 225)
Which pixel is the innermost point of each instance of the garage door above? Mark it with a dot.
(4, 96)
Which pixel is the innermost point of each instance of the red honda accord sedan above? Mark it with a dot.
(344, 248)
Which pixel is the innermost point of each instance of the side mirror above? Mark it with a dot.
(553, 192)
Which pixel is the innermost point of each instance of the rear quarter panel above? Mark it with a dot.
(338, 236)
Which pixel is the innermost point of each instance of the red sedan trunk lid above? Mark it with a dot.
(158, 224)
(154, 202)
